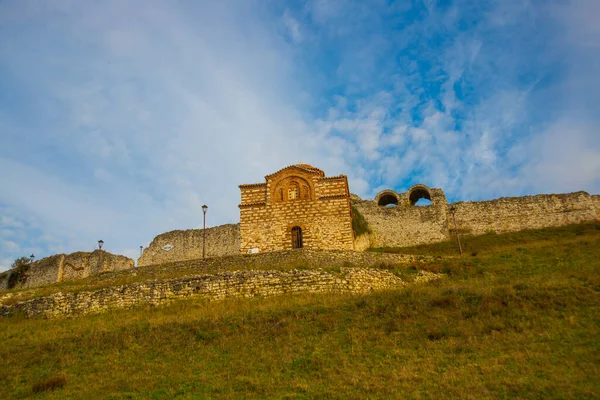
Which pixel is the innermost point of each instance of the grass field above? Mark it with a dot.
(520, 319)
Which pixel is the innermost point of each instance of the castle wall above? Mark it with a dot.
(187, 245)
(64, 267)
(404, 225)
(510, 214)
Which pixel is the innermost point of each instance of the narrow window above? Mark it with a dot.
(293, 193)
(296, 237)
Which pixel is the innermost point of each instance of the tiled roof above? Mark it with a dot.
(248, 185)
(324, 178)
(305, 167)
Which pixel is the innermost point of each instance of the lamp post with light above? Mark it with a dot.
(100, 243)
(204, 209)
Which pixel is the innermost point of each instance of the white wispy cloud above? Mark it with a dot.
(126, 118)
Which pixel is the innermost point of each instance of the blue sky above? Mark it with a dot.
(119, 119)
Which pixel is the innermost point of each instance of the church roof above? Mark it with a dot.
(305, 167)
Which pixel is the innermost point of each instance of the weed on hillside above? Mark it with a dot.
(519, 320)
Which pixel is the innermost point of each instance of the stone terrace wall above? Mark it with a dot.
(404, 225)
(209, 287)
(64, 267)
(221, 240)
(305, 258)
(510, 214)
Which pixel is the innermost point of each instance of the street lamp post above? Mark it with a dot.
(204, 209)
(100, 243)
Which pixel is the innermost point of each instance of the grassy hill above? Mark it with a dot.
(517, 316)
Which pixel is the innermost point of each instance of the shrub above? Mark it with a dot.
(51, 383)
(359, 224)
(18, 273)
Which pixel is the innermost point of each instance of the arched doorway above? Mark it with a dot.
(296, 237)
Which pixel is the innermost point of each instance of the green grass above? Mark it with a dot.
(519, 320)
(492, 242)
(359, 223)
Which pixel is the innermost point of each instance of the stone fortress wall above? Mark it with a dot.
(395, 220)
(511, 214)
(65, 267)
(405, 224)
(181, 245)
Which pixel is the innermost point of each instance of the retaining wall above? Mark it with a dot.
(209, 287)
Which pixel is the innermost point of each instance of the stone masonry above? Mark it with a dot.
(395, 220)
(183, 245)
(296, 207)
(65, 267)
(209, 287)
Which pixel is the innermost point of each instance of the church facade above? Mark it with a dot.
(296, 207)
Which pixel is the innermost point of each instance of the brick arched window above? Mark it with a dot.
(296, 237)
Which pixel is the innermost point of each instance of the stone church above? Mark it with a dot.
(296, 207)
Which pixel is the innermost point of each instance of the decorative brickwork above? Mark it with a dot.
(296, 207)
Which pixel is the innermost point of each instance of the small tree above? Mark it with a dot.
(19, 270)
(21, 263)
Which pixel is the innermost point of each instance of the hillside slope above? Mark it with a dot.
(519, 319)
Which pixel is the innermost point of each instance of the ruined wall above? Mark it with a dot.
(296, 196)
(64, 267)
(187, 245)
(405, 224)
(209, 287)
(510, 214)
(408, 225)
(596, 203)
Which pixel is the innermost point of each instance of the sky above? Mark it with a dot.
(119, 119)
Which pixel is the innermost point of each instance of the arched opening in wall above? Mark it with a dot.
(297, 237)
(388, 200)
(423, 202)
(420, 197)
